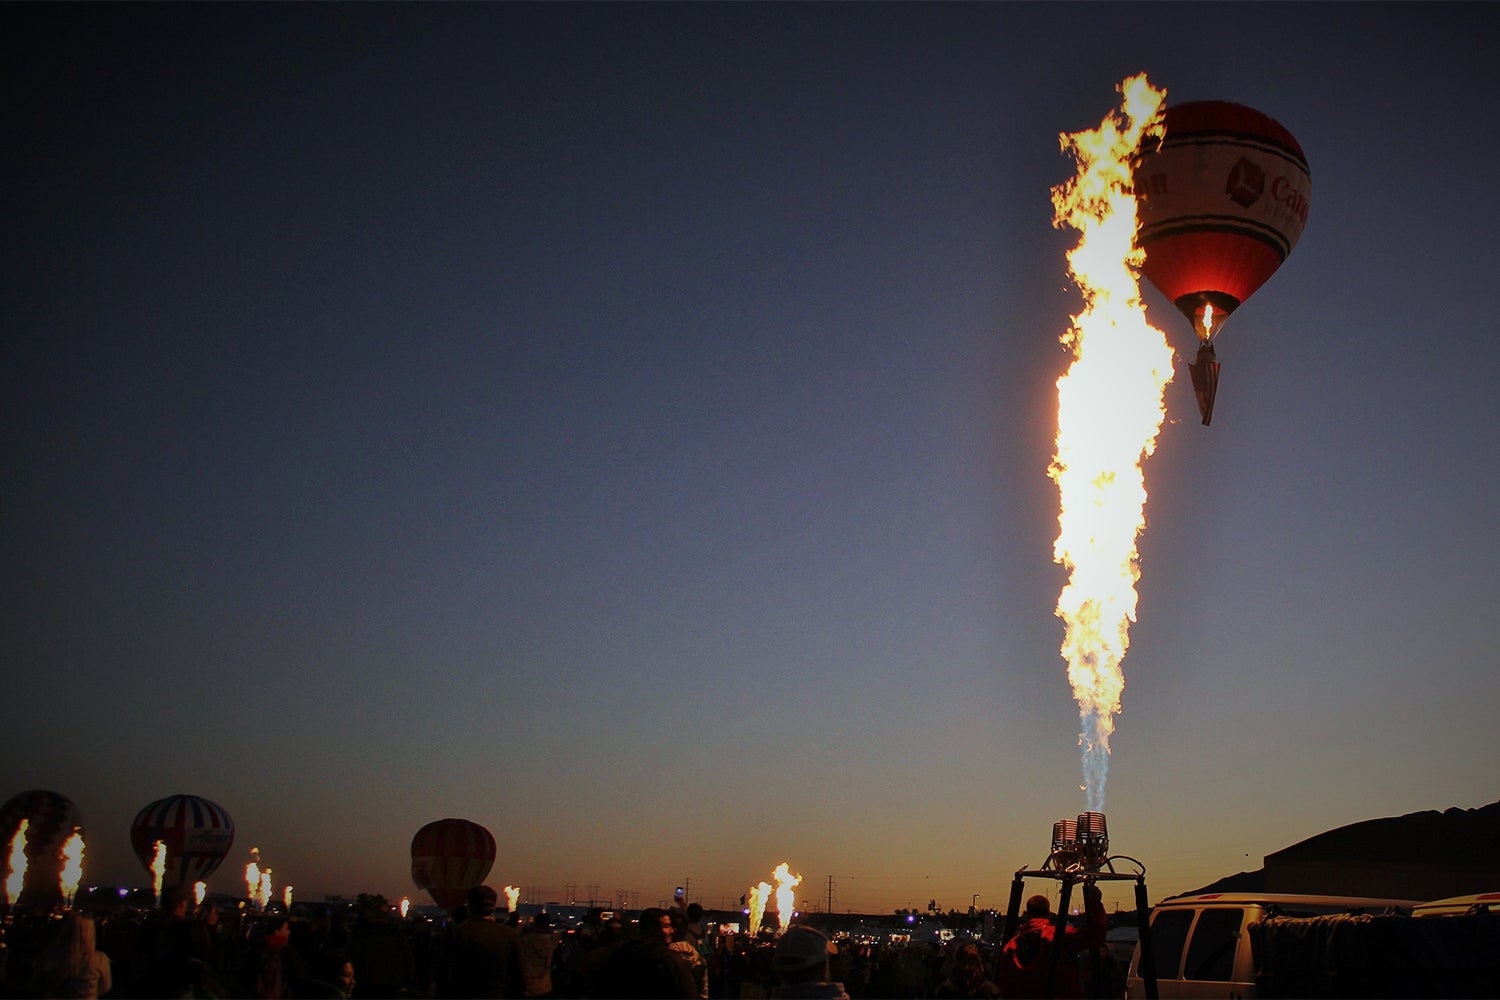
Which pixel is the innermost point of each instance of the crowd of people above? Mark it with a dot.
(177, 950)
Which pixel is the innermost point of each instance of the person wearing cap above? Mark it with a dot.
(801, 965)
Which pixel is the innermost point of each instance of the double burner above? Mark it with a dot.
(1079, 844)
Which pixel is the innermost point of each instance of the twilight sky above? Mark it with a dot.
(627, 427)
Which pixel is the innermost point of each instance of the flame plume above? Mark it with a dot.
(758, 896)
(512, 897)
(786, 901)
(158, 867)
(1109, 411)
(72, 869)
(16, 868)
(252, 876)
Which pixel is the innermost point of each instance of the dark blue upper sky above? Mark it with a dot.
(627, 427)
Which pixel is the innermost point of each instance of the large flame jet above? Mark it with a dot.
(1109, 411)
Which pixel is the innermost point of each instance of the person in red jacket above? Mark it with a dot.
(1026, 960)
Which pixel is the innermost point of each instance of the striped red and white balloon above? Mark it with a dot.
(1223, 199)
(197, 834)
(51, 819)
(449, 857)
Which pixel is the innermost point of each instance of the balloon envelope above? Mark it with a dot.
(1222, 201)
(197, 834)
(449, 857)
(50, 820)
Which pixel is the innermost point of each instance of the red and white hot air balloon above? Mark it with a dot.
(449, 857)
(50, 822)
(1222, 200)
(196, 833)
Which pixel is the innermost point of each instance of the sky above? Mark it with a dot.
(627, 427)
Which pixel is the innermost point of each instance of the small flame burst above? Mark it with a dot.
(759, 894)
(1109, 411)
(252, 876)
(512, 897)
(158, 867)
(72, 868)
(286, 897)
(786, 901)
(263, 895)
(405, 906)
(15, 869)
(200, 893)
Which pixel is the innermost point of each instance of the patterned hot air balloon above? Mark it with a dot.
(51, 819)
(197, 833)
(449, 857)
(1222, 201)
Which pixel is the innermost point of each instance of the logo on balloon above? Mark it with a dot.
(208, 841)
(1246, 183)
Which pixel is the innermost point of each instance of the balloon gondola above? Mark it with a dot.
(1223, 198)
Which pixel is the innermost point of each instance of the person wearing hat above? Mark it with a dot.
(801, 965)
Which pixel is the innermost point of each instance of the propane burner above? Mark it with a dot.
(1080, 855)
(1081, 843)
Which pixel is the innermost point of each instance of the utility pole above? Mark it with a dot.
(830, 894)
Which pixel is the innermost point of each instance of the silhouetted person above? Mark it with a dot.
(72, 966)
(485, 953)
(598, 942)
(801, 965)
(965, 977)
(685, 943)
(176, 952)
(272, 964)
(1026, 962)
(646, 966)
(380, 951)
(331, 978)
(538, 944)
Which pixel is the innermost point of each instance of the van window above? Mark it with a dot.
(1210, 956)
(1168, 934)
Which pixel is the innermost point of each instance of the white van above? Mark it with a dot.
(1201, 945)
